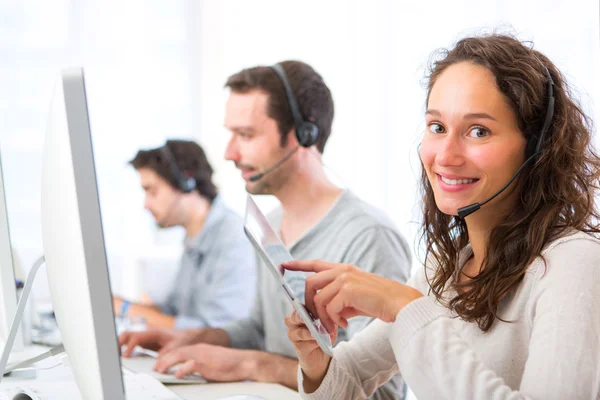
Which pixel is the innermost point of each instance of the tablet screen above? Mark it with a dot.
(266, 237)
(272, 250)
(274, 253)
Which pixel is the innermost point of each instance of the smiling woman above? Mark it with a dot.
(469, 155)
(521, 274)
(507, 104)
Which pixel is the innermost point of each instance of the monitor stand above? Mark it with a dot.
(14, 327)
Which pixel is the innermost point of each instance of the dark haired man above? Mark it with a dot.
(215, 284)
(280, 156)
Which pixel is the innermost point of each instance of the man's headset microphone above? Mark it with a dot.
(307, 132)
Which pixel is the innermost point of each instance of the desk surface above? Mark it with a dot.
(208, 391)
(213, 391)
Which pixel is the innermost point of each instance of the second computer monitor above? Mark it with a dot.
(74, 244)
(8, 296)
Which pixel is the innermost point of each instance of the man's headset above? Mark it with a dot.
(184, 183)
(307, 132)
(533, 149)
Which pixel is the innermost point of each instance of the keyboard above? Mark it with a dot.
(144, 387)
(142, 361)
(137, 387)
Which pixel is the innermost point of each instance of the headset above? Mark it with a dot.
(307, 132)
(536, 151)
(533, 149)
(184, 183)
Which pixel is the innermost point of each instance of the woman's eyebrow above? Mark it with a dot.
(477, 115)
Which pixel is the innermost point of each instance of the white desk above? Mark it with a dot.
(213, 391)
(208, 391)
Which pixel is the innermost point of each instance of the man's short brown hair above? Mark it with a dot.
(312, 95)
(189, 159)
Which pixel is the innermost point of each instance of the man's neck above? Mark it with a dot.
(305, 201)
(196, 216)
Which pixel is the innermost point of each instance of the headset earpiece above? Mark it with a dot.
(184, 183)
(307, 132)
(187, 185)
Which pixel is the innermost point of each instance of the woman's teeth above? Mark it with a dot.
(457, 181)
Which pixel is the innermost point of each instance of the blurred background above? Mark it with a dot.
(155, 70)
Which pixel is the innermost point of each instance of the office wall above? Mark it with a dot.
(373, 55)
(138, 60)
(156, 69)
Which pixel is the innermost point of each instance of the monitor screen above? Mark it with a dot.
(73, 242)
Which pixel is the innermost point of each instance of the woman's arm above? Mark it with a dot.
(358, 367)
(563, 359)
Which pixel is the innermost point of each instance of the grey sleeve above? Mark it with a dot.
(382, 251)
(231, 291)
(167, 307)
(248, 333)
(168, 304)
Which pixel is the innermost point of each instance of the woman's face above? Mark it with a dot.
(472, 144)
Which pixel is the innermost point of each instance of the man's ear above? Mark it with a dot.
(291, 137)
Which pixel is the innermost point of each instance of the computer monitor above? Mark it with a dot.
(74, 244)
(8, 295)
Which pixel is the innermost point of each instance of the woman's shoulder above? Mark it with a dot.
(420, 278)
(574, 257)
(573, 243)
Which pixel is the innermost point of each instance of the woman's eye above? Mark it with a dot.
(436, 128)
(479, 132)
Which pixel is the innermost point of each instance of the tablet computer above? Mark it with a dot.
(274, 254)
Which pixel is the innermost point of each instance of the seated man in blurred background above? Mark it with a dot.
(279, 155)
(216, 281)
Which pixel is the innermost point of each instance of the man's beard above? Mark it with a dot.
(270, 183)
(266, 185)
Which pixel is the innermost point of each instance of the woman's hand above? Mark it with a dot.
(338, 292)
(313, 361)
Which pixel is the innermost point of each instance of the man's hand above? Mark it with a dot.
(154, 339)
(165, 340)
(214, 363)
(224, 364)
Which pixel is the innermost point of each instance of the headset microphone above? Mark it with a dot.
(256, 177)
(471, 208)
